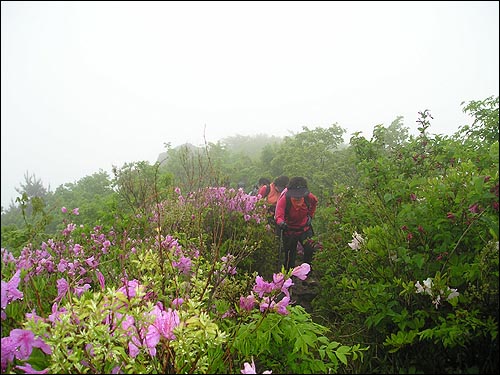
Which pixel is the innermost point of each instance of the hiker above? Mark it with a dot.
(294, 213)
(264, 187)
(257, 187)
(275, 189)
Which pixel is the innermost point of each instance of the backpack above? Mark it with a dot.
(268, 189)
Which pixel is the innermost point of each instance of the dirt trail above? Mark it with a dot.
(303, 292)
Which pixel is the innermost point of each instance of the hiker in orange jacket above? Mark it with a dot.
(276, 187)
(271, 198)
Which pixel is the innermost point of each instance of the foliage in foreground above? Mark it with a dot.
(100, 301)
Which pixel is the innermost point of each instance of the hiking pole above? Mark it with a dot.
(280, 248)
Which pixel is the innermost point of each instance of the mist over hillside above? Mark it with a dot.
(248, 145)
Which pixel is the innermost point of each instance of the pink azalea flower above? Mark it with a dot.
(266, 304)
(100, 278)
(131, 289)
(261, 286)
(55, 313)
(91, 262)
(79, 290)
(62, 289)
(184, 265)
(169, 320)
(8, 352)
(9, 291)
(78, 249)
(249, 368)
(177, 302)
(281, 306)
(152, 336)
(24, 341)
(278, 279)
(89, 348)
(474, 208)
(163, 325)
(127, 322)
(301, 271)
(247, 303)
(281, 283)
(133, 350)
(30, 370)
(33, 315)
(64, 210)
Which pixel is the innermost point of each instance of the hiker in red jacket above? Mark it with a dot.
(294, 212)
(263, 187)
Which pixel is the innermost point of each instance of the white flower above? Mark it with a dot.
(453, 293)
(428, 286)
(357, 241)
(437, 301)
(420, 288)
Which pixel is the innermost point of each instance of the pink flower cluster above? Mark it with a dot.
(250, 369)
(19, 344)
(268, 292)
(227, 198)
(10, 292)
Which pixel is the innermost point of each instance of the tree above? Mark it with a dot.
(28, 219)
(311, 154)
(391, 137)
(33, 187)
(485, 128)
(93, 195)
(138, 186)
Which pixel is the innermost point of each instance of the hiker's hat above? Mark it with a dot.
(297, 187)
(280, 183)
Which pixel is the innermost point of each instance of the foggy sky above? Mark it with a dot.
(88, 85)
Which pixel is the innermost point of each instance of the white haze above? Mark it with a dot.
(89, 85)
